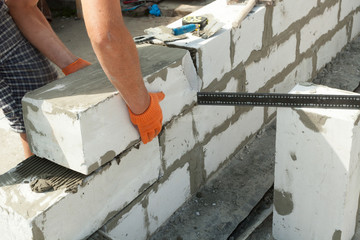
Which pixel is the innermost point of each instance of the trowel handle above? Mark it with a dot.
(185, 29)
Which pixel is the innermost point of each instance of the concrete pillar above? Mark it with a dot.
(317, 175)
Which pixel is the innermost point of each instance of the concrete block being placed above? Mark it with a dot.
(317, 171)
(81, 121)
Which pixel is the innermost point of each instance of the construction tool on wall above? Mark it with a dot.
(201, 20)
(164, 34)
(186, 29)
(279, 100)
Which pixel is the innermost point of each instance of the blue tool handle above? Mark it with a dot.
(184, 29)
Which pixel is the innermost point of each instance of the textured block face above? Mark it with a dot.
(331, 48)
(288, 12)
(131, 225)
(207, 118)
(225, 143)
(248, 37)
(213, 52)
(317, 27)
(101, 196)
(258, 73)
(347, 6)
(316, 171)
(81, 122)
(169, 196)
(178, 138)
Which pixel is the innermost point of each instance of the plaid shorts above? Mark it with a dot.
(22, 69)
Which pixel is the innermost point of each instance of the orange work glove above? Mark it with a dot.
(75, 66)
(149, 123)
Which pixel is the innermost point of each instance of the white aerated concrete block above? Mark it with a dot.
(169, 196)
(61, 215)
(347, 6)
(356, 26)
(178, 80)
(152, 209)
(132, 225)
(248, 37)
(317, 171)
(331, 48)
(259, 73)
(207, 118)
(81, 122)
(177, 139)
(289, 11)
(317, 27)
(225, 143)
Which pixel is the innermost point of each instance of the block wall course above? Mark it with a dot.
(177, 139)
(287, 12)
(329, 50)
(169, 196)
(318, 26)
(207, 118)
(259, 73)
(248, 37)
(211, 53)
(132, 225)
(225, 143)
(347, 6)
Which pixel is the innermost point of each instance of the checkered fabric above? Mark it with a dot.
(22, 69)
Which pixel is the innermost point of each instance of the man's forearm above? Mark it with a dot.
(116, 51)
(38, 31)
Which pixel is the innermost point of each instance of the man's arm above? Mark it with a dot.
(117, 54)
(34, 26)
(116, 51)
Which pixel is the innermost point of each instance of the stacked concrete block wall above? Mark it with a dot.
(273, 48)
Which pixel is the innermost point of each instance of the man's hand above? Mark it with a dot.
(75, 66)
(149, 123)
